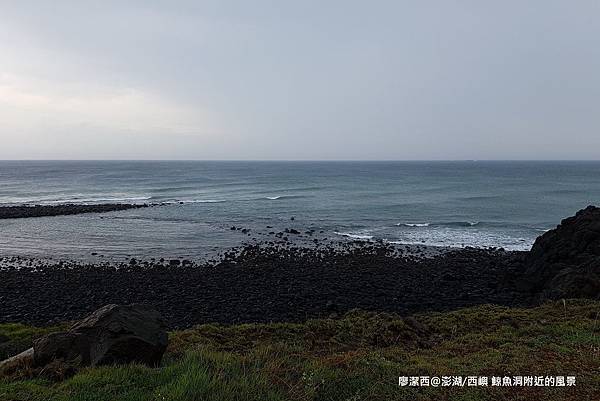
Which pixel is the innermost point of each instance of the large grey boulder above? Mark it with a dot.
(113, 334)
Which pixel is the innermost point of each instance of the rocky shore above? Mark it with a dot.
(277, 282)
(19, 212)
(263, 284)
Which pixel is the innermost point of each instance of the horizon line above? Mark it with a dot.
(300, 160)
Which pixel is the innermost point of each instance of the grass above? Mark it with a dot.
(16, 337)
(356, 357)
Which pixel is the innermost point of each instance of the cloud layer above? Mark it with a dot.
(308, 80)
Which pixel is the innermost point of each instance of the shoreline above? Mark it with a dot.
(279, 281)
(361, 309)
(231, 236)
(98, 257)
(268, 283)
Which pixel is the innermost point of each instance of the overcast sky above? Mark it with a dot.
(300, 79)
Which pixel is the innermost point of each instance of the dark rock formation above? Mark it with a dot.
(113, 334)
(565, 261)
(17, 212)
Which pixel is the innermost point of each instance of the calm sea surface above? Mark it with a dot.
(506, 204)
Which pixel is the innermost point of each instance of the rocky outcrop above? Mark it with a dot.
(111, 335)
(565, 262)
(19, 212)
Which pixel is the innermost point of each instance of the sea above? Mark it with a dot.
(434, 203)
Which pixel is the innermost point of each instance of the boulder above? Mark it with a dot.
(113, 334)
(565, 262)
(22, 361)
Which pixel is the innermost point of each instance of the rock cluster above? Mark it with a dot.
(18, 212)
(264, 283)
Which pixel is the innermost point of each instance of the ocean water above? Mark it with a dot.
(449, 204)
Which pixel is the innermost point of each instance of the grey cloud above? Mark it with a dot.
(341, 80)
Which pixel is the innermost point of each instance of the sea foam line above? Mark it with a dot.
(413, 224)
(171, 202)
(442, 224)
(355, 236)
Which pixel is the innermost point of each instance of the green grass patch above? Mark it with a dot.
(356, 357)
(16, 337)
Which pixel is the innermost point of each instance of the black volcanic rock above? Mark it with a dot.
(19, 212)
(265, 283)
(113, 334)
(565, 261)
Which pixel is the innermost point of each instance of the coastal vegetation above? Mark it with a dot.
(356, 356)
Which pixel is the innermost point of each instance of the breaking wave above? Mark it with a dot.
(354, 235)
(442, 224)
(171, 202)
(283, 197)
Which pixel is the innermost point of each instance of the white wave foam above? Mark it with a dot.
(283, 197)
(449, 224)
(460, 238)
(459, 224)
(205, 201)
(171, 202)
(354, 235)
